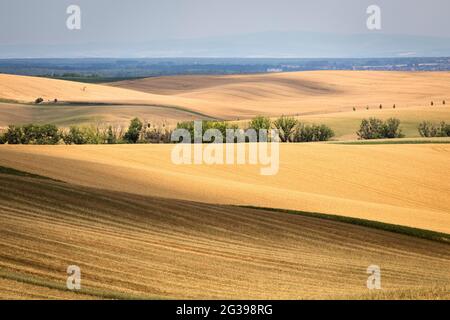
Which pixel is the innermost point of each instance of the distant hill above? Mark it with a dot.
(266, 44)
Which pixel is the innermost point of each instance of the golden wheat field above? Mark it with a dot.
(400, 184)
(244, 96)
(302, 93)
(131, 246)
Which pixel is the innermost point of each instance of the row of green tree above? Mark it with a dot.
(289, 129)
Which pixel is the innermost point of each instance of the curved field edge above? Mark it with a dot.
(145, 246)
(413, 232)
(408, 231)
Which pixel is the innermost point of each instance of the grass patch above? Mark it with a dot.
(12, 101)
(98, 293)
(91, 79)
(409, 231)
(378, 142)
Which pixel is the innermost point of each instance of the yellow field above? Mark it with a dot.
(244, 96)
(27, 89)
(130, 246)
(303, 93)
(399, 184)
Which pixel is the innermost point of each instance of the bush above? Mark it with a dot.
(222, 126)
(286, 127)
(38, 100)
(110, 136)
(85, 135)
(2, 138)
(370, 129)
(311, 133)
(391, 129)
(14, 135)
(260, 123)
(32, 134)
(75, 136)
(134, 131)
(44, 134)
(154, 134)
(445, 130)
(377, 129)
(428, 129)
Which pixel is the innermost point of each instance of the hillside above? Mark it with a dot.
(244, 96)
(130, 246)
(400, 184)
(303, 93)
(27, 89)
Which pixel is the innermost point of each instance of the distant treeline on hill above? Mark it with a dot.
(109, 69)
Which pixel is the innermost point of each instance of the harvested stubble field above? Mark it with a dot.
(131, 246)
(404, 184)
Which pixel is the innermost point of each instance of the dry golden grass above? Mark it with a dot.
(134, 246)
(398, 184)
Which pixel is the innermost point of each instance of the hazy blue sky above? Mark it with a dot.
(43, 21)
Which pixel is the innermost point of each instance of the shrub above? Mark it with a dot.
(377, 129)
(32, 134)
(222, 126)
(40, 134)
(310, 133)
(286, 127)
(370, 129)
(428, 129)
(260, 123)
(14, 135)
(85, 135)
(110, 136)
(2, 138)
(156, 134)
(38, 100)
(75, 136)
(445, 129)
(134, 131)
(391, 129)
